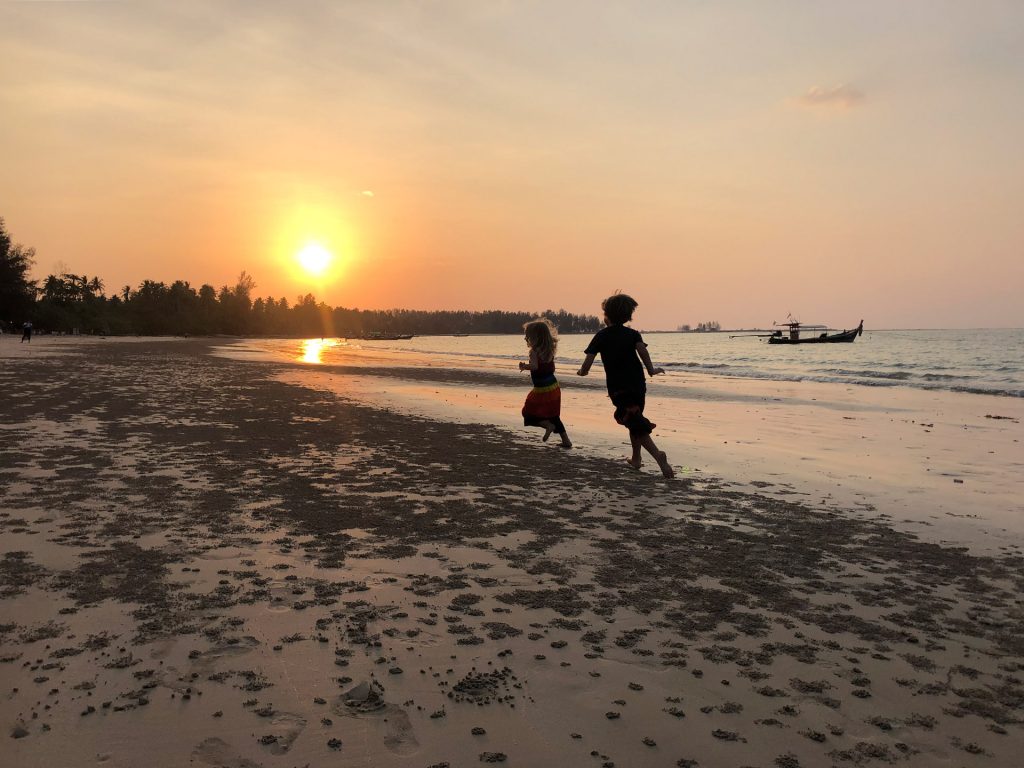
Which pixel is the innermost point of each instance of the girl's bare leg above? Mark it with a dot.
(566, 442)
(548, 429)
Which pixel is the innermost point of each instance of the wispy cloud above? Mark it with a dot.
(843, 96)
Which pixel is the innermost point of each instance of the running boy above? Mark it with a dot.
(622, 351)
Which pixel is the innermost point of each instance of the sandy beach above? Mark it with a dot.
(210, 561)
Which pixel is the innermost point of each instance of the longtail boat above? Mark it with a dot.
(802, 333)
(816, 334)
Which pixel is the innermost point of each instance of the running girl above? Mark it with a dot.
(543, 405)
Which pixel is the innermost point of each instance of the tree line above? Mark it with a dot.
(705, 327)
(70, 303)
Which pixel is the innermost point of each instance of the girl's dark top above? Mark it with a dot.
(616, 344)
(544, 375)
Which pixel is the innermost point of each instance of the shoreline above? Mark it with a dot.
(213, 565)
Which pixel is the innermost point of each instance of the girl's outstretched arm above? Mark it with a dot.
(645, 358)
(585, 368)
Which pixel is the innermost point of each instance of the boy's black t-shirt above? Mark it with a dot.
(616, 344)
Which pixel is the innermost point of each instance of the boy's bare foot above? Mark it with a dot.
(666, 468)
(635, 464)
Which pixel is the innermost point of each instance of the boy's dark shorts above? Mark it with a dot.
(629, 411)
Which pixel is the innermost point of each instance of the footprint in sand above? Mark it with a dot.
(216, 752)
(366, 702)
(281, 597)
(397, 732)
(286, 729)
(161, 649)
(207, 660)
(422, 638)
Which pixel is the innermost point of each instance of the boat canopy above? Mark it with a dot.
(807, 326)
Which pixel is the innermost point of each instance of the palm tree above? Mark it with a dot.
(57, 289)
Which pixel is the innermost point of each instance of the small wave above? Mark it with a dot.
(897, 375)
(705, 366)
(945, 377)
(984, 391)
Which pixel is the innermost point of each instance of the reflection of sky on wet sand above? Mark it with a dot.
(313, 349)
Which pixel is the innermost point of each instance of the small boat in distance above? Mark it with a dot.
(818, 334)
(815, 334)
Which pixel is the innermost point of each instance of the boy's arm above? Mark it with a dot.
(585, 368)
(645, 358)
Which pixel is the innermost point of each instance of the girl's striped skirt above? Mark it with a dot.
(544, 403)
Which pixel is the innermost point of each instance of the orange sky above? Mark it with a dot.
(719, 161)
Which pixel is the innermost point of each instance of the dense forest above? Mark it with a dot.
(69, 303)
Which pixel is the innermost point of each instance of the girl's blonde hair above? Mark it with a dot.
(542, 337)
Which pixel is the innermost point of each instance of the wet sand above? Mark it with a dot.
(204, 563)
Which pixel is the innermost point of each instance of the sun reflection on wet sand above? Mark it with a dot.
(313, 349)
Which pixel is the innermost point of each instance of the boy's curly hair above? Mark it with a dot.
(618, 308)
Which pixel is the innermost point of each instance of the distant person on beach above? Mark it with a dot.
(543, 407)
(624, 356)
(26, 332)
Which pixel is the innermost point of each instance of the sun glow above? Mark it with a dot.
(313, 244)
(314, 259)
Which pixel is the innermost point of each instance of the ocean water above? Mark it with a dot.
(988, 362)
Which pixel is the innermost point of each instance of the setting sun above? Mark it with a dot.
(314, 259)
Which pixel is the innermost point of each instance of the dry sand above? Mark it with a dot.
(205, 565)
